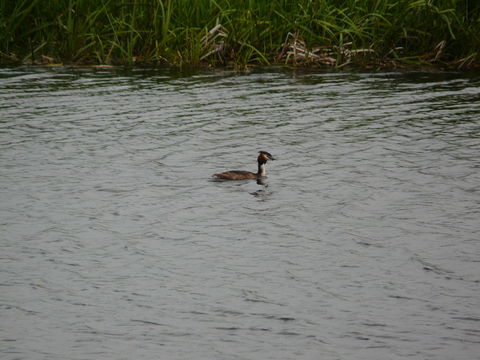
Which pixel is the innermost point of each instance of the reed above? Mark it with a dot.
(239, 32)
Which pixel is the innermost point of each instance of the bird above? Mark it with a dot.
(262, 159)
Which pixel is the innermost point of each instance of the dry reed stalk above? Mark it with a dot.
(214, 42)
(295, 50)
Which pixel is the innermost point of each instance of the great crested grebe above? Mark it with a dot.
(262, 159)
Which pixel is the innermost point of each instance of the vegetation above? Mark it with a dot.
(240, 32)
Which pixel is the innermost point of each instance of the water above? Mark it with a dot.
(115, 243)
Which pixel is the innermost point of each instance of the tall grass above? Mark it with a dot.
(240, 31)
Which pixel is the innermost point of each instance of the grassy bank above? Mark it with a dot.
(239, 32)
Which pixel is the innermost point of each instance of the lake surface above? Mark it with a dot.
(115, 243)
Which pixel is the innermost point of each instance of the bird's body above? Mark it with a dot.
(262, 159)
(236, 175)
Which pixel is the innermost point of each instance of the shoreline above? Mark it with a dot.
(391, 65)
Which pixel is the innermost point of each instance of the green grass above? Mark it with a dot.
(241, 32)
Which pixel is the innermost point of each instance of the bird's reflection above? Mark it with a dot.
(262, 181)
(262, 193)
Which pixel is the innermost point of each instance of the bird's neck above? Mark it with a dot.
(261, 169)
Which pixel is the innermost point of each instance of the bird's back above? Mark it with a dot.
(235, 175)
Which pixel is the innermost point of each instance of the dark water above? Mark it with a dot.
(115, 243)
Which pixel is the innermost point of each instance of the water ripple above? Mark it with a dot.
(363, 241)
